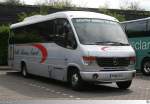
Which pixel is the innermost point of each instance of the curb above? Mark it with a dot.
(5, 68)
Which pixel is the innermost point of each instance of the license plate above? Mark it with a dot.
(116, 76)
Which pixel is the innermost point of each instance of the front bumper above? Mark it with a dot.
(108, 76)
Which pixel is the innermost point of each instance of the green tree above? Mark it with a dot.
(43, 11)
(4, 34)
(114, 14)
(104, 9)
(46, 6)
(13, 2)
(23, 15)
(130, 5)
(59, 3)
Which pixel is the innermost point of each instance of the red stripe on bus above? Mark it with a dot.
(43, 51)
(104, 48)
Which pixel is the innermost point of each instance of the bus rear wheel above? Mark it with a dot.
(146, 67)
(124, 85)
(24, 71)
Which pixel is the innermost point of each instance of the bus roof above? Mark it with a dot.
(148, 18)
(64, 14)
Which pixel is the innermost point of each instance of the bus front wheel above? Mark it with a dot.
(124, 85)
(76, 80)
(146, 67)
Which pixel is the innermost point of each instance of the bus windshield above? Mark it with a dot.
(97, 31)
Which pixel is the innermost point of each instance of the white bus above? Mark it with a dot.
(72, 46)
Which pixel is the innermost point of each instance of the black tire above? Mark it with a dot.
(75, 80)
(145, 67)
(24, 71)
(124, 85)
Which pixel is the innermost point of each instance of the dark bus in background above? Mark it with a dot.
(138, 32)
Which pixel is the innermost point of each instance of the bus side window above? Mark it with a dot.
(52, 31)
(60, 33)
(65, 36)
(148, 26)
(136, 28)
(70, 38)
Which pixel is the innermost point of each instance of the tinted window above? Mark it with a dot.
(149, 26)
(57, 30)
(64, 34)
(39, 32)
(137, 28)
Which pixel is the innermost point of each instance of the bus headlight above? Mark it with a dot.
(88, 60)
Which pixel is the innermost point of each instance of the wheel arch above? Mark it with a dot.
(22, 62)
(142, 63)
(144, 59)
(71, 68)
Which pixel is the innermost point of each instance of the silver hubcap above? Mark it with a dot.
(147, 67)
(75, 79)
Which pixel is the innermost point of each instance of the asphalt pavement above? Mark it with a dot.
(14, 87)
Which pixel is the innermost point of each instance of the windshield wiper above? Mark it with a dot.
(111, 43)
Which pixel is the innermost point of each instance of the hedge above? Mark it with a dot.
(4, 34)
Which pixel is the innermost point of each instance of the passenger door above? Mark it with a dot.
(58, 51)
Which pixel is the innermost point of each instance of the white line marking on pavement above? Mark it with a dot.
(64, 94)
(47, 89)
(43, 87)
(78, 98)
(58, 92)
(71, 96)
(52, 91)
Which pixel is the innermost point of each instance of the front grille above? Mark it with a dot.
(112, 62)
